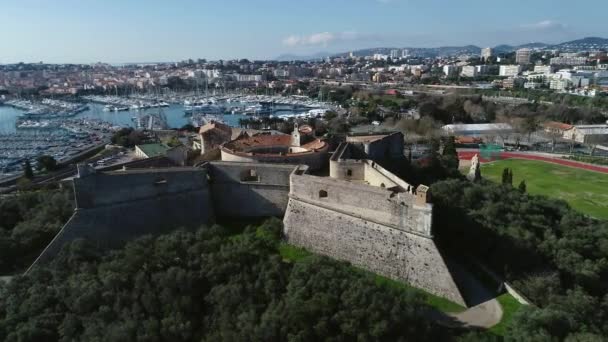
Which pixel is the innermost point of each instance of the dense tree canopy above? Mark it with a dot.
(206, 286)
(557, 257)
(28, 222)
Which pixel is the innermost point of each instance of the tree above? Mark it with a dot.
(505, 176)
(522, 186)
(27, 170)
(47, 163)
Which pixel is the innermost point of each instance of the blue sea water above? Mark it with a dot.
(174, 114)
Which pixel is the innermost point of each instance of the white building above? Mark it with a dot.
(523, 56)
(280, 73)
(559, 84)
(248, 78)
(450, 70)
(486, 53)
(379, 57)
(588, 134)
(394, 54)
(509, 70)
(477, 129)
(469, 71)
(543, 69)
(562, 60)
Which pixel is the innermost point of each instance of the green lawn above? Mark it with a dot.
(585, 191)
(509, 306)
(295, 254)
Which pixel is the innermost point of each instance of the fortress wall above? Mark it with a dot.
(236, 193)
(315, 160)
(390, 252)
(111, 225)
(382, 206)
(340, 169)
(111, 188)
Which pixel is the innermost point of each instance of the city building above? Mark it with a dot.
(559, 84)
(588, 134)
(394, 54)
(523, 56)
(450, 70)
(248, 78)
(486, 53)
(301, 147)
(568, 60)
(543, 69)
(509, 70)
(482, 69)
(477, 129)
(469, 71)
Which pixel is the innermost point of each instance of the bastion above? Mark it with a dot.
(360, 213)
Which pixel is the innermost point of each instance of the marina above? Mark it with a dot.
(62, 129)
(62, 142)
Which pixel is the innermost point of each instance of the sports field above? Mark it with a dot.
(586, 191)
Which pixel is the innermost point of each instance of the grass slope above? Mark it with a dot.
(509, 307)
(295, 254)
(586, 191)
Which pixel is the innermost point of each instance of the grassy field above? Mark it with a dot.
(294, 254)
(585, 191)
(509, 307)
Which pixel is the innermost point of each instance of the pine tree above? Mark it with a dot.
(510, 177)
(522, 186)
(505, 176)
(27, 170)
(449, 150)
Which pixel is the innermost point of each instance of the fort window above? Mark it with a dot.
(250, 176)
(349, 173)
(323, 194)
(382, 185)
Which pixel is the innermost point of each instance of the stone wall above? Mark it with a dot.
(113, 208)
(242, 190)
(381, 205)
(379, 248)
(315, 160)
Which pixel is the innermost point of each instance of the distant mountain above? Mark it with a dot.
(291, 57)
(589, 43)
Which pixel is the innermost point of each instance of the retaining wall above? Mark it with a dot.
(387, 251)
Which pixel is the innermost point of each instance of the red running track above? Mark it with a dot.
(468, 155)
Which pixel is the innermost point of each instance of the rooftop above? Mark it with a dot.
(153, 150)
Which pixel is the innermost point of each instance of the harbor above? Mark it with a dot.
(63, 129)
(70, 138)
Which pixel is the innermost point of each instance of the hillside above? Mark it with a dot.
(584, 44)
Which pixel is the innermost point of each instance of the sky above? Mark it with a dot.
(124, 31)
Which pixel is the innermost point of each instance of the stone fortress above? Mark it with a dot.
(359, 212)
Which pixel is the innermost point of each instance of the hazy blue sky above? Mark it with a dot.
(164, 30)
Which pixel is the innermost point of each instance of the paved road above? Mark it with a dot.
(484, 309)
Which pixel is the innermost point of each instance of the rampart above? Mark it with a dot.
(364, 214)
(375, 228)
(117, 206)
(249, 189)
